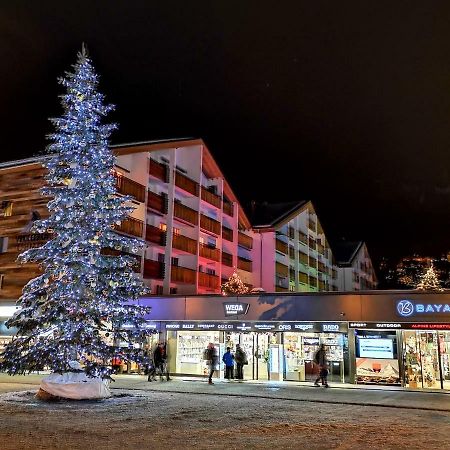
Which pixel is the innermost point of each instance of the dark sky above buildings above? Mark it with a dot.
(343, 103)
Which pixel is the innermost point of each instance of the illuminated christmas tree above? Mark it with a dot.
(80, 308)
(234, 285)
(429, 281)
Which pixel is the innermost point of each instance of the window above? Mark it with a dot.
(161, 257)
(176, 231)
(210, 271)
(163, 227)
(3, 244)
(159, 289)
(211, 242)
(6, 208)
(174, 261)
(173, 291)
(2, 277)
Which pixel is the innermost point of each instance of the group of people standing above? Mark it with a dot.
(157, 363)
(239, 357)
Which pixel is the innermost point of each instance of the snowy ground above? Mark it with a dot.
(171, 420)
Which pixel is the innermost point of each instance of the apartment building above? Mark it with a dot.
(291, 252)
(355, 271)
(195, 230)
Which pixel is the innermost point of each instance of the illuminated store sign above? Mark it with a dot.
(235, 309)
(403, 326)
(408, 308)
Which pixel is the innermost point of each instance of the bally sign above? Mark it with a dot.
(235, 309)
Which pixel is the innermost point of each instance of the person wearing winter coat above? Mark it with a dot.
(241, 359)
(160, 361)
(320, 358)
(228, 359)
(212, 360)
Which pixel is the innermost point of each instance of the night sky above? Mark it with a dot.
(343, 103)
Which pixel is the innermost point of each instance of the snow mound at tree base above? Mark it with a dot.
(74, 385)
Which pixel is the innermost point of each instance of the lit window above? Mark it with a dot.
(6, 208)
(176, 231)
(163, 227)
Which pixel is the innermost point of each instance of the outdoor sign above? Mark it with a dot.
(235, 308)
(412, 308)
(395, 325)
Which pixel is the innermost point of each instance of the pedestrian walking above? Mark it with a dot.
(228, 359)
(241, 360)
(160, 361)
(320, 358)
(212, 360)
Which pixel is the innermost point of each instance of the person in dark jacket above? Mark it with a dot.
(212, 360)
(160, 361)
(241, 359)
(228, 359)
(320, 359)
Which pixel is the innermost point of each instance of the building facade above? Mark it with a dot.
(355, 271)
(291, 251)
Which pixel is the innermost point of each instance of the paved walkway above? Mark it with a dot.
(336, 394)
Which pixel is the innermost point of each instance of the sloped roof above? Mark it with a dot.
(268, 215)
(345, 251)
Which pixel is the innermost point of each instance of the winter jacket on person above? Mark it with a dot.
(321, 357)
(160, 355)
(228, 359)
(240, 356)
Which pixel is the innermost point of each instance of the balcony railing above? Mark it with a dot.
(155, 235)
(281, 246)
(227, 259)
(208, 280)
(209, 224)
(183, 212)
(209, 252)
(227, 233)
(184, 182)
(132, 226)
(184, 244)
(246, 241)
(211, 198)
(157, 202)
(153, 269)
(158, 170)
(228, 208)
(126, 186)
(182, 275)
(32, 240)
(281, 270)
(244, 264)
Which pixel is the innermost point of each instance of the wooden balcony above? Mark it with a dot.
(246, 241)
(211, 198)
(281, 246)
(227, 233)
(312, 262)
(153, 269)
(244, 264)
(158, 170)
(185, 183)
(125, 186)
(281, 270)
(31, 240)
(155, 235)
(182, 275)
(157, 202)
(302, 277)
(303, 257)
(185, 213)
(228, 208)
(207, 280)
(227, 259)
(209, 224)
(131, 226)
(209, 252)
(184, 243)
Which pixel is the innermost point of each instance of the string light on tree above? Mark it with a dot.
(429, 281)
(234, 285)
(72, 314)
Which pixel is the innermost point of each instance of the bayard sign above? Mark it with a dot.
(235, 308)
(412, 308)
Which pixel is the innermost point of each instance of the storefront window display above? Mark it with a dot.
(421, 358)
(376, 357)
(300, 349)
